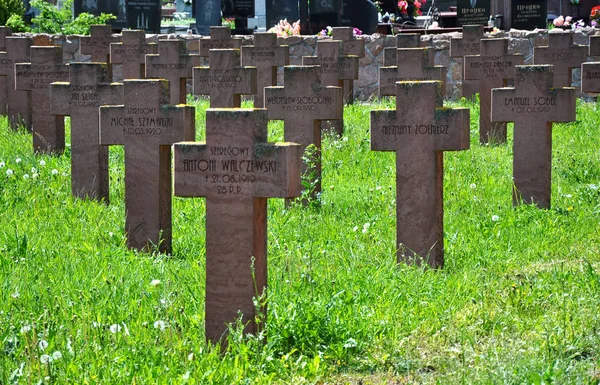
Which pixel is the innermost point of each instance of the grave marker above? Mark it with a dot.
(563, 54)
(594, 49)
(98, 43)
(147, 126)
(236, 169)
(412, 65)
(302, 104)
(533, 104)
(266, 56)
(493, 67)
(4, 33)
(144, 14)
(403, 40)
(278, 10)
(173, 63)
(529, 14)
(88, 88)
(220, 38)
(351, 46)
(208, 15)
(419, 136)
(46, 67)
(471, 12)
(590, 77)
(224, 81)
(131, 53)
(469, 44)
(19, 102)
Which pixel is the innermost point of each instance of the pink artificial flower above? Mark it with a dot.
(559, 21)
(357, 32)
(417, 4)
(402, 5)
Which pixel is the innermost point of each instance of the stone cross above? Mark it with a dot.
(220, 38)
(98, 43)
(412, 65)
(46, 67)
(590, 77)
(4, 33)
(403, 40)
(493, 67)
(351, 46)
(224, 81)
(147, 126)
(89, 87)
(594, 49)
(131, 53)
(469, 44)
(563, 54)
(19, 102)
(237, 170)
(266, 56)
(533, 104)
(302, 104)
(174, 64)
(419, 131)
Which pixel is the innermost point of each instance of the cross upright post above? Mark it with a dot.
(97, 45)
(403, 40)
(468, 44)
(131, 53)
(4, 33)
(220, 38)
(590, 77)
(419, 136)
(18, 102)
(594, 47)
(351, 46)
(533, 104)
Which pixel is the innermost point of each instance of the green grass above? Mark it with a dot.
(516, 303)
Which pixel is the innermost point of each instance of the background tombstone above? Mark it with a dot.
(361, 14)
(266, 56)
(19, 102)
(278, 10)
(4, 33)
(471, 12)
(89, 87)
(533, 104)
(412, 65)
(96, 7)
(98, 44)
(236, 184)
(529, 14)
(469, 44)
(590, 77)
(324, 13)
(240, 10)
(403, 40)
(173, 63)
(351, 46)
(131, 53)
(144, 14)
(594, 49)
(493, 67)
(208, 14)
(220, 38)
(147, 126)
(46, 67)
(419, 136)
(563, 54)
(302, 104)
(224, 81)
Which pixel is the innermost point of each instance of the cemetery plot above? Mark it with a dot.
(469, 44)
(19, 102)
(131, 53)
(563, 54)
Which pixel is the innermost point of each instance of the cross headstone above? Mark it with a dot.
(302, 104)
(403, 40)
(563, 54)
(266, 56)
(351, 46)
(4, 33)
(533, 104)
(594, 49)
(412, 65)
(98, 43)
(174, 63)
(147, 126)
(468, 44)
(46, 67)
(19, 102)
(590, 77)
(492, 67)
(237, 170)
(419, 131)
(220, 38)
(224, 81)
(89, 87)
(131, 53)
(208, 14)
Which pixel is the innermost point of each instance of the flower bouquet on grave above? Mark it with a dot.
(329, 32)
(409, 9)
(284, 28)
(595, 16)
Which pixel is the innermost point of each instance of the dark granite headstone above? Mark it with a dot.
(238, 8)
(208, 14)
(471, 12)
(529, 14)
(361, 14)
(144, 14)
(324, 13)
(278, 10)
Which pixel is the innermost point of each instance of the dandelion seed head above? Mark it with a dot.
(114, 328)
(155, 282)
(9, 172)
(45, 358)
(54, 171)
(495, 218)
(25, 176)
(56, 355)
(18, 160)
(43, 344)
(42, 162)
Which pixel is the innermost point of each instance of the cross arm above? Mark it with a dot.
(114, 124)
(590, 76)
(503, 105)
(280, 166)
(453, 128)
(386, 130)
(181, 121)
(348, 66)
(565, 109)
(60, 98)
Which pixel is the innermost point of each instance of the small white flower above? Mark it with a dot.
(473, 186)
(2, 164)
(56, 355)
(18, 160)
(355, 228)
(9, 172)
(54, 171)
(64, 174)
(110, 234)
(366, 227)
(15, 294)
(568, 195)
(25, 176)
(191, 357)
(378, 188)
(345, 138)
(35, 175)
(45, 358)
(95, 324)
(155, 282)
(68, 144)
(33, 170)
(114, 328)
(69, 346)
(186, 376)
(43, 344)
(42, 162)
(25, 329)
(162, 325)
(495, 218)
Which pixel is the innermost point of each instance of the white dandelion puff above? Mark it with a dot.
(9, 172)
(155, 282)
(54, 171)
(495, 218)
(56, 355)
(43, 344)
(42, 162)
(45, 358)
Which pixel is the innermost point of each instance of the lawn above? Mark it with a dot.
(517, 301)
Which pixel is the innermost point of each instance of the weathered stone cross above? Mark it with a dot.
(493, 67)
(89, 87)
(403, 40)
(98, 43)
(266, 56)
(533, 104)
(4, 33)
(590, 77)
(419, 131)
(236, 169)
(131, 53)
(174, 64)
(563, 54)
(19, 102)
(594, 49)
(220, 38)
(147, 126)
(469, 44)
(351, 46)
(46, 67)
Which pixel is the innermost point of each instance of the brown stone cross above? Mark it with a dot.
(88, 88)
(98, 43)
(147, 126)
(403, 40)
(225, 81)
(220, 38)
(533, 104)
(563, 54)
(131, 53)
(493, 67)
(302, 104)
(236, 169)
(174, 64)
(468, 44)
(419, 131)
(4, 33)
(266, 56)
(590, 77)
(19, 102)
(594, 49)
(46, 67)
(351, 46)
(412, 65)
